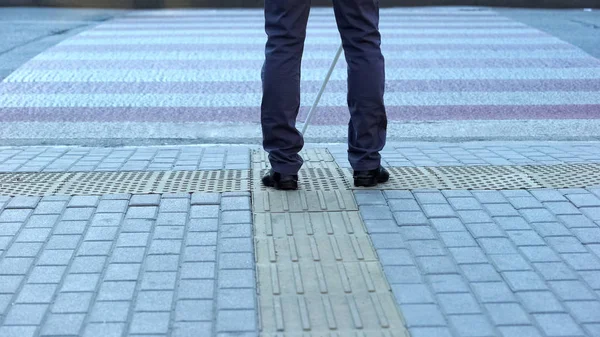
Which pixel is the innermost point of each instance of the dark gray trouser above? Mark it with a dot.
(358, 23)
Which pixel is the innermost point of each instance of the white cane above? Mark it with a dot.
(316, 103)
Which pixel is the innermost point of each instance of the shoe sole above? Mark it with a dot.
(287, 186)
(368, 182)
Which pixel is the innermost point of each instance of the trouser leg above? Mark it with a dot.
(358, 23)
(285, 25)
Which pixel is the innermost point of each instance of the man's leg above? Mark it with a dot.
(358, 23)
(285, 24)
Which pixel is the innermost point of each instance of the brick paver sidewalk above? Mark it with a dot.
(228, 259)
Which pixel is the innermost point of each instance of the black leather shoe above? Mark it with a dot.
(371, 178)
(280, 181)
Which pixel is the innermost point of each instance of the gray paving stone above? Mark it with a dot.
(145, 200)
(409, 218)
(510, 262)
(430, 198)
(160, 247)
(33, 235)
(438, 210)
(22, 249)
(146, 212)
(458, 239)
(63, 242)
(80, 282)
(427, 248)
(236, 299)
(525, 202)
(581, 261)
(236, 245)
(63, 324)
(50, 207)
(133, 239)
(83, 213)
(493, 292)
(235, 217)
(472, 325)
(46, 274)
(192, 329)
(497, 246)
(137, 225)
(512, 223)
(22, 202)
(548, 195)
(174, 219)
(10, 228)
(436, 265)
(194, 310)
(467, 255)
(196, 289)
(107, 219)
(236, 321)
(507, 314)
(162, 262)
(561, 208)
(26, 314)
(9, 284)
(17, 331)
(154, 300)
(476, 216)
(110, 311)
(537, 215)
(386, 241)
(36, 293)
(205, 199)
(122, 272)
(593, 329)
(373, 212)
(150, 323)
(14, 215)
(116, 291)
(70, 227)
(417, 233)
(584, 200)
(402, 274)
(104, 329)
(575, 221)
(587, 235)
(459, 304)
(585, 311)
(448, 225)
(558, 325)
(539, 254)
(572, 290)
(404, 205)
(501, 210)
(101, 234)
(554, 271)
(174, 205)
(480, 272)
(447, 283)
(566, 244)
(423, 315)
(521, 331)
(524, 280)
(236, 278)
(398, 194)
(412, 293)
(465, 203)
(370, 198)
(15, 266)
(169, 232)
(55, 257)
(526, 238)
(69, 303)
(550, 229)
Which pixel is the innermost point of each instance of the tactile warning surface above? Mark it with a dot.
(318, 274)
(134, 182)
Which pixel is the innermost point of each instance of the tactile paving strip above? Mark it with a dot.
(318, 273)
(134, 182)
